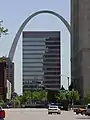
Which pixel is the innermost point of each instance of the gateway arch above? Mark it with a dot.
(15, 41)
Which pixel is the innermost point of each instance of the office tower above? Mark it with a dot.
(52, 63)
(80, 45)
(10, 72)
(41, 60)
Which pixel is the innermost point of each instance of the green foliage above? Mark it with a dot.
(33, 96)
(3, 31)
(1, 103)
(74, 95)
(68, 95)
(43, 96)
(27, 95)
(22, 99)
(60, 96)
(15, 101)
(87, 98)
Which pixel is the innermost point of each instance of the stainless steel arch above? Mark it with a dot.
(15, 41)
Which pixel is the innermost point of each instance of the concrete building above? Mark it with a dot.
(80, 45)
(41, 60)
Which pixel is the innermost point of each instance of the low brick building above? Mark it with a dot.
(3, 82)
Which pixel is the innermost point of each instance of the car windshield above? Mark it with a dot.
(53, 107)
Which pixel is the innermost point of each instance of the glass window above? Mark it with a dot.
(32, 56)
(33, 73)
(34, 43)
(32, 69)
(33, 65)
(33, 52)
(34, 39)
(32, 60)
(34, 47)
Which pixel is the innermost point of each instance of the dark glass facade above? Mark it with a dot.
(41, 60)
(52, 63)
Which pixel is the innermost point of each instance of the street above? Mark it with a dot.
(41, 114)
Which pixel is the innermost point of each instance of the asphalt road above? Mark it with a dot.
(41, 114)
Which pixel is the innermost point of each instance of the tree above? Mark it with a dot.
(1, 103)
(68, 95)
(43, 95)
(87, 98)
(74, 95)
(3, 31)
(39, 95)
(21, 99)
(15, 102)
(61, 96)
(27, 96)
(34, 96)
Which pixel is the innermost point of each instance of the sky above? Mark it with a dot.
(14, 12)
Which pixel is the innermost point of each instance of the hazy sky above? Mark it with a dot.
(14, 12)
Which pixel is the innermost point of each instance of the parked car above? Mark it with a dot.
(53, 109)
(60, 106)
(64, 105)
(75, 109)
(80, 111)
(87, 112)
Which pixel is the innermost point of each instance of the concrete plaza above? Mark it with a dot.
(41, 114)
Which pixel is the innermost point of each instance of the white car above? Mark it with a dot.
(53, 109)
(87, 112)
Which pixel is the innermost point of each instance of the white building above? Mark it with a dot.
(9, 90)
